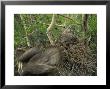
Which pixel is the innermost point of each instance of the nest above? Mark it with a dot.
(78, 60)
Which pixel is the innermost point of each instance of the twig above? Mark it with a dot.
(69, 19)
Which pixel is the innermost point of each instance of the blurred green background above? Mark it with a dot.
(34, 26)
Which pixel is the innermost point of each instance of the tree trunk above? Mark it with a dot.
(85, 18)
(85, 27)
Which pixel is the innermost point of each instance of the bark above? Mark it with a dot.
(85, 29)
(85, 19)
(85, 26)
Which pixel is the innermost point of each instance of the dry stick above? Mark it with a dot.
(65, 22)
(49, 33)
(54, 24)
(24, 25)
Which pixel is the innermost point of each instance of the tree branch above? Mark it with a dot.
(69, 19)
(24, 25)
(49, 33)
